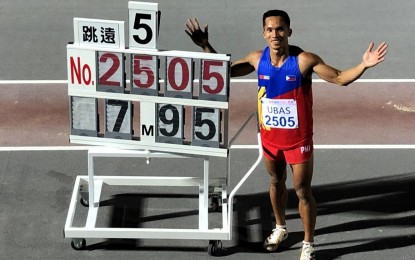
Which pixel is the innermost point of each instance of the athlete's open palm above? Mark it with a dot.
(371, 58)
(199, 37)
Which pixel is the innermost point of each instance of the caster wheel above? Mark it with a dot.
(78, 243)
(215, 204)
(213, 247)
(84, 202)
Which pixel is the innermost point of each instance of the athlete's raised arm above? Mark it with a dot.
(344, 77)
(200, 37)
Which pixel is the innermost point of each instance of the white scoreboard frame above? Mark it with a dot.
(97, 71)
(148, 103)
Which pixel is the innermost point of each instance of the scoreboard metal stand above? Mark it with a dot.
(94, 184)
(213, 192)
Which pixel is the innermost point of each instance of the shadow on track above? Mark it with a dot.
(376, 200)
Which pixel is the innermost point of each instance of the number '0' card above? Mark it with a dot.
(179, 77)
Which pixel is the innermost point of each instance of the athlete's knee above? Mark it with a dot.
(276, 181)
(304, 193)
(277, 176)
(277, 173)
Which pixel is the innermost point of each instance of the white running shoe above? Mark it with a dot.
(308, 252)
(274, 240)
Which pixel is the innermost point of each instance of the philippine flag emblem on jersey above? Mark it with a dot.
(290, 78)
(264, 77)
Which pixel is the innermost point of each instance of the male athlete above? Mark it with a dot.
(285, 112)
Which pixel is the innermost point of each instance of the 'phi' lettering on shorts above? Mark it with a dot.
(297, 155)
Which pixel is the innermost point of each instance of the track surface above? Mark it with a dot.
(362, 113)
(364, 195)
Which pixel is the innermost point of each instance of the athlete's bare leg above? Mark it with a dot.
(303, 174)
(277, 188)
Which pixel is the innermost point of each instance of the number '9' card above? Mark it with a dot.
(170, 123)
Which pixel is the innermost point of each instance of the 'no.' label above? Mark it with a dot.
(81, 69)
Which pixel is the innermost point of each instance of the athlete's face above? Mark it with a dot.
(276, 32)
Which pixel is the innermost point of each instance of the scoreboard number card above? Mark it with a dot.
(206, 127)
(118, 119)
(170, 124)
(144, 74)
(143, 24)
(110, 72)
(84, 116)
(214, 80)
(179, 77)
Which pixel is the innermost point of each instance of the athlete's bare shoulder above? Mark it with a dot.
(253, 58)
(306, 61)
(246, 65)
(255, 55)
(308, 57)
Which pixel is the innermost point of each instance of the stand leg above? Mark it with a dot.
(204, 197)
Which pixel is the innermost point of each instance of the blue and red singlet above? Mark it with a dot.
(285, 104)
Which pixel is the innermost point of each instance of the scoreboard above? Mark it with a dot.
(175, 101)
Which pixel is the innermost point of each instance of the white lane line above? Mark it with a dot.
(44, 148)
(338, 147)
(343, 146)
(40, 82)
(10, 82)
(323, 81)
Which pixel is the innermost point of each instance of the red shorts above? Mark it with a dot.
(297, 155)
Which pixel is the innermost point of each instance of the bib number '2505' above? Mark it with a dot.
(279, 113)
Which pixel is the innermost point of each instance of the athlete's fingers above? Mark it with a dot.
(193, 25)
(188, 33)
(192, 22)
(196, 24)
(382, 49)
(369, 49)
(383, 54)
(190, 28)
(190, 25)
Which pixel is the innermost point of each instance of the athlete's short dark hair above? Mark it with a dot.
(276, 12)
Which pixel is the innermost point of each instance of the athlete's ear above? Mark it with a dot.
(290, 31)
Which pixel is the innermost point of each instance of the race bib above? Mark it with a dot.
(279, 113)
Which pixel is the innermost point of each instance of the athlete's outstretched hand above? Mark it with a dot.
(371, 58)
(199, 37)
